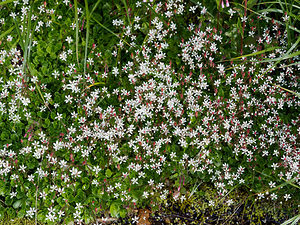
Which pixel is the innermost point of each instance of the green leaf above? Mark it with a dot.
(48, 49)
(114, 210)
(2, 191)
(4, 135)
(85, 186)
(123, 213)
(240, 27)
(95, 6)
(21, 213)
(221, 92)
(108, 30)
(53, 115)
(41, 217)
(2, 212)
(108, 173)
(17, 204)
(47, 123)
(251, 3)
(85, 180)
(80, 197)
(11, 213)
(174, 176)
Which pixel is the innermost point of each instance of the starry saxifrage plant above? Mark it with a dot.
(161, 99)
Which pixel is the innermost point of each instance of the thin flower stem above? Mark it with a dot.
(77, 38)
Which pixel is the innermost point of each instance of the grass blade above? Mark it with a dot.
(126, 8)
(287, 55)
(266, 17)
(297, 94)
(95, 6)
(292, 5)
(110, 31)
(97, 83)
(292, 220)
(87, 33)
(290, 183)
(276, 10)
(292, 64)
(19, 34)
(77, 39)
(156, 14)
(254, 53)
(6, 32)
(6, 2)
(296, 220)
(27, 39)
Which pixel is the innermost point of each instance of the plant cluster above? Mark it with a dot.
(117, 105)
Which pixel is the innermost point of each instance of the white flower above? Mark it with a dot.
(244, 19)
(9, 38)
(34, 79)
(273, 196)
(69, 40)
(145, 194)
(31, 177)
(13, 15)
(68, 99)
(58, 117)
(78, 206)
(75, 173)
(134, 180)
(229, 202)
(231, 12)
(135, 219)
(172, 155)
(151, 182)
(61, 213)
(287, 197)
(63, 56)
(30, 213)
(13, 194)
(260, 195)
(66, 2)
(55, 74)
(182, 198)
(272, 184)
(285, 18)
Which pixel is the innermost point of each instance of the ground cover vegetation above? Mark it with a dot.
(107, 107)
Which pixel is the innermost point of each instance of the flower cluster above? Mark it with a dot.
(163, 107)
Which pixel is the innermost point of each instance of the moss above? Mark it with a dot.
(18, 221)
(244, 210)
(197, 210)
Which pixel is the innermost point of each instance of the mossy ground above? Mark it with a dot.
(197, 209)
(244, 210)
(18, 221)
